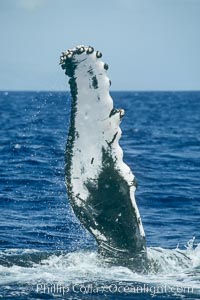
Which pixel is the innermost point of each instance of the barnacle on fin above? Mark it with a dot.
(98, 54)
(80, 50)
(106, 66)
(69, 55)
(90, 50)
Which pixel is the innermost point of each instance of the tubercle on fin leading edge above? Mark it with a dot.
(68, 58)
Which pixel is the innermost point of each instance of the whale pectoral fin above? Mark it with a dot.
(100, 185)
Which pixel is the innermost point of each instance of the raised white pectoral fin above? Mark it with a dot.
(100, 185)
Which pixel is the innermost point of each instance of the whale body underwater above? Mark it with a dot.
(100, 186)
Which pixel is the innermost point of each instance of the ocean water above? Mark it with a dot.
(45, 253)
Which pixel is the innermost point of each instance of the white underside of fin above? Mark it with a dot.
(95, 129)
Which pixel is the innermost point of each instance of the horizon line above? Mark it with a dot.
(130, 91)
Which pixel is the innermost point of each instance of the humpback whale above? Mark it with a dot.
(100, 186)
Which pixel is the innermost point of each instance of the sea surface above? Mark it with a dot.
(45, 253)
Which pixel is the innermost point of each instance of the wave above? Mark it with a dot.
(169, 267)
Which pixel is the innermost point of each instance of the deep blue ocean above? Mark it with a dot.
(45, 253)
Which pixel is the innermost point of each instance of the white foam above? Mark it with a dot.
(173, 267)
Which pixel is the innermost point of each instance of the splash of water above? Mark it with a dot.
(168, 266)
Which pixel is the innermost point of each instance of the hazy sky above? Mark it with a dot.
(148, 44)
